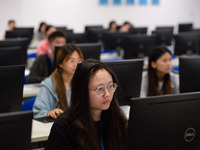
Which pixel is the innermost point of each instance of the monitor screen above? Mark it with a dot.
(90, 50)
(189, 73)
(137, 46)
(169, 122)
(129, 73)
(11, 88)
(11, 56)
(15, 129)
(187, 43)
(15, 42)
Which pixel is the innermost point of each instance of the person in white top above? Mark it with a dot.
(158, 79)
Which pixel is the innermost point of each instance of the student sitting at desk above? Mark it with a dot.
(55, 92)
(159, 80)
(94, 120)
(44, 47)
(43, 65)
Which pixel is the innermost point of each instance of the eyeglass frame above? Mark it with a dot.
(97, 89)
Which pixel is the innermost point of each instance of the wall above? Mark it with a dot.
(75, 14)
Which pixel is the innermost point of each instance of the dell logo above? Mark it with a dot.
(189, 134)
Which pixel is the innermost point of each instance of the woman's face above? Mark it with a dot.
(69, 66)
(101, 79)
(163, 64)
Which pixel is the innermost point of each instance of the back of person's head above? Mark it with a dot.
(49, 29)
(80, 111)
(56, 34)
(155, 54)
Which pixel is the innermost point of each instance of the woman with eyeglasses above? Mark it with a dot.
(55, 93)
(94, 121)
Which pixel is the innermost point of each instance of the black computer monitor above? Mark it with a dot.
(93, 27)
(187, 43)
(182, 27)
(90, 50)
(139, 30)
(189, 73)
(77, 38)
(171, 28)
(21, 33)
(15, 129)
(164, 36)
(137, 46)
(11, 56)
(113, 40)
(11, 88)
(129, 73)
(169, 122)
(16, 42)
(64, 29)
(95, 34)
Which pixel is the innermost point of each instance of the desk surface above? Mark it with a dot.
(40, 131)
(31, 90)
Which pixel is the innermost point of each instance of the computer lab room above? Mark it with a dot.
(100, 74)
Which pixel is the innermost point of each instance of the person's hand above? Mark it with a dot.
(55, 113)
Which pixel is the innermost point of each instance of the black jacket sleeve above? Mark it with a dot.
(40, 70)
(60, 137)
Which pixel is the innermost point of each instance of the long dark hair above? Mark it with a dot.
(114, 122)
(63, 55)
(155, 53)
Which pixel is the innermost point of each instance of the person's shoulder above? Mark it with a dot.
(43, 57)
(144, 74)
(174, 75)
(47, 82)
(63, 120)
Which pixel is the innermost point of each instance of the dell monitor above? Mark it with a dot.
(169, 122)
(189, 73)
(11, 56)
(129, 73)
(16, 42)
(90, 50)
(11, 88)
(187, 43)
(15, 129)
(137, 46)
